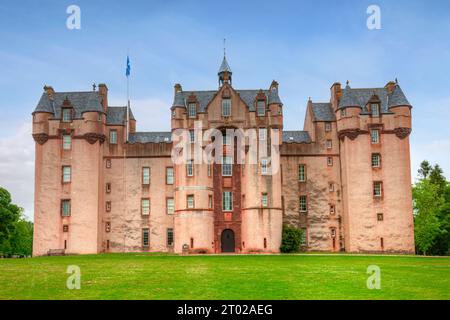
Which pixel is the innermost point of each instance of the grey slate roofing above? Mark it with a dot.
(224, 67)
(296, 137)
(323, 112)
(205, 97)
(118, 115)
(81, 102)
(150, 137)
(360, 98)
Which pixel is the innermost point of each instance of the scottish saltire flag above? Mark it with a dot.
(127, 73)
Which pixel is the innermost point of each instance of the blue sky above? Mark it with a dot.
(304, 45)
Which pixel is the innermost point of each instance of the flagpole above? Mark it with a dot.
(128, 98)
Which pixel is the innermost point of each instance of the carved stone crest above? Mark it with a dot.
(40, 138)
(402, 133)
(94, 137)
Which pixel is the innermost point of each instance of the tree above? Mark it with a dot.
(16, 234)
(437, 178)
(291, 239)
(424, 169)
(426, 206)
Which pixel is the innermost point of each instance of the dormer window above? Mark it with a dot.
(375, 108)
(261, 108)
(226, 107)
(192, 110)
(66, 114)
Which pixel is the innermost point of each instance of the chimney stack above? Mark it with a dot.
(103, 93)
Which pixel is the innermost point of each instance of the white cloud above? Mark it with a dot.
(17, 167)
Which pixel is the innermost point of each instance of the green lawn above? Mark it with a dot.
(152, 276)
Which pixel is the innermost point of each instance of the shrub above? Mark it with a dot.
(291, 239)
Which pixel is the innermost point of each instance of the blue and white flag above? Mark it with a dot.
(127, 73)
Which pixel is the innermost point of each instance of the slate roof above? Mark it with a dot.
(81, 102)
(224, 67)
(150, 137)
(205, 97)
(118, 115)
(296, 137)
(360, 98)
(323, 112)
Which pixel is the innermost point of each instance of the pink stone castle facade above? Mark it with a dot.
(100, 186)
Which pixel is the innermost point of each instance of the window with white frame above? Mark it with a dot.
(226, 139)
(65, 208)
(191, 136)
(376, 160)
(301, 172)
(329, 144)
(113, 136)
(375, 135)
(190, 201)
(264, 200)
(375, 107)
(146, 175)
(261, 108)
(190, 168)
(145, 207)
(170, 204)
(226, 107)
(66, 115)
(227, 166)
(377, 189)
(145, 237)
(169, 175)
(327, 126)
(210, 201)
(303, 239)
(227, 201)
(262, 133)
(264, 166)
(67, 141)
(303, 207)
(66, 173)
(192, 110)
(343, 113)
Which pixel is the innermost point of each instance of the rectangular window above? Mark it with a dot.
(376, 160)
(145, 207)
(302, 204)
(262, 133)
(170, 204)
(112, 136)
(210, 201)
(226, 140)
(65, 208)
(226, 107)
(302, 173)
(261, 108)
(327, 126)
(66, 174)
(108, 187)
(65, 228)
(191, 136)
(169, 175)
(108, 163)
(329, 161)
(209, 170)
(329, 144)
(264, 166)
(170, 237)
(227, 201)
(145, 237)
(375, 136)
(108, 206)
(377, 189)
(67, 141)
(375, 109)
(227, 166)
(190, 201)
(190, 168)
(379, 216)
(303, 239)
(264, 200)
(66, 115)
(192, 110)
(343, 113)
(146, 175)
(107, 226)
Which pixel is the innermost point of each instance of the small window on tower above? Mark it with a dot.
(327, 126)
(380, 217)
(108, 187)
(329, 144)
(146, 176)
(145, 237)
(303, 207)
(226, 107)
(108, 163)
(170, 206)
(192, 110)
(145, 207)
(66, 114)
(108, 226)
(65, 208)
(169, 175)
(227, 166)
(264, 200)
(67, 141)
(376, 160)
(66, 173)
(329, 161)
(375, 109)
(190, 201)
(108, 206)
(112, 136)
(375, 136)
(262, 133)
(377, 189)
(190, 168)
(261, 108)
(170, 237)
(301, 172)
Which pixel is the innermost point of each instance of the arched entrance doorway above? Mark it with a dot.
(227, 240)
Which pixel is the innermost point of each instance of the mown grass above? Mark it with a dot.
(153, 276)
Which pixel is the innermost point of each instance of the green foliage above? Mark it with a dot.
(431, 198)
(16, 234)
(291, 239)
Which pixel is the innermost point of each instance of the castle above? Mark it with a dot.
(101, 186)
